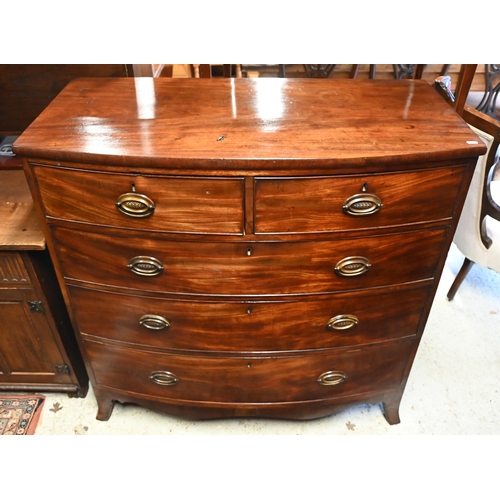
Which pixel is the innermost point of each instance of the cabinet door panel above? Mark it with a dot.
(19, 345)
(29, 353)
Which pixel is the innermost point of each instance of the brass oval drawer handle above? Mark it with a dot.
(145, 266)
(331, 378)
(135, 205)
(362, 204)
(154, 322)
(352, 266)
(163, 378)
(343, 322)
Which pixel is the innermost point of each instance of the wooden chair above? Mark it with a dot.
(478, 231)
(489, 100)
(325, 70)
(442, 84)
(205, 70)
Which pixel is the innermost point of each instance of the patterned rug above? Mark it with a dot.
(19, 414)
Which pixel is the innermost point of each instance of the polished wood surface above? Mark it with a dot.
(310, 204)
(181, 204)
(240, 278)
(246, 327)
(232, 269)
(224, 123)
(208, 205)
(248, 379)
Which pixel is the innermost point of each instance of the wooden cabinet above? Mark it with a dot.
(38, 350)
(249, 247)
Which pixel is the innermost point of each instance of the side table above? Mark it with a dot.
(38, 350)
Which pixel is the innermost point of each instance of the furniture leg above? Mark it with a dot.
(391, 411)
(466, 266)
(105, 406)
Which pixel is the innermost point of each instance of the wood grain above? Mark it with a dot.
(20, 228)
(315, 204)
(241, 123)
(203, 205)
(226, 269)
(249, 326)
(249, 379)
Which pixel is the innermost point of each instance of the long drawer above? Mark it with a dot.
(203, 205)
(326, 203)
(246, 326)
(248, 379)
(304, 267)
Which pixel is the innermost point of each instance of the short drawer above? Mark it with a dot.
(323, 204)
(207, 268)
(246, 326)
(202, 205)
(249, 379)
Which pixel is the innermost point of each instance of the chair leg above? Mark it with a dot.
(466, 266)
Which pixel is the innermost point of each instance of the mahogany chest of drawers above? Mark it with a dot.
(234, 247)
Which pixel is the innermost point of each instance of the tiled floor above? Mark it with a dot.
(454, 386)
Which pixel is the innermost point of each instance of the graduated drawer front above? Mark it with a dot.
(181, 204)
(247, 269)
(315, 204)
(240, 326)
(249, 379)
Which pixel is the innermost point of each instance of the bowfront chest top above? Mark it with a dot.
(249, 247)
